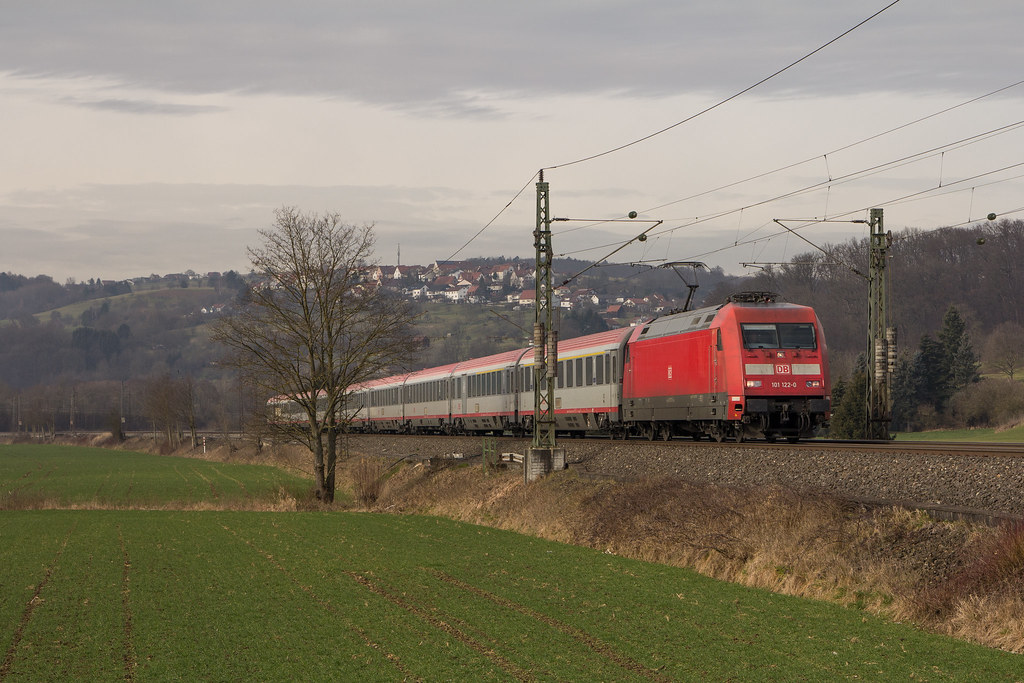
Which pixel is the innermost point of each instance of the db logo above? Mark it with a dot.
(783, 369)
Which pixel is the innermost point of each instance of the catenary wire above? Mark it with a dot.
(677, 124)
(727, 99)
(491, 222)
(855, 175)
(814, 158)
(851, 212)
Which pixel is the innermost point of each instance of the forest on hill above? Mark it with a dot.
(94, 353)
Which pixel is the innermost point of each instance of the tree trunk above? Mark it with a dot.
(332, 460)
(318, 463)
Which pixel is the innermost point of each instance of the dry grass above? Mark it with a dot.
(892, 562)
(367, 479)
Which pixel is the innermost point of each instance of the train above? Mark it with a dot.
(751, 367)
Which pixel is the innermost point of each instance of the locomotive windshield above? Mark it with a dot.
(778, 336)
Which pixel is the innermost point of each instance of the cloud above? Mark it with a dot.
(433, 56)
(144, 106)
(166, 228)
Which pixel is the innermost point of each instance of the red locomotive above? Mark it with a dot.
(749, 368)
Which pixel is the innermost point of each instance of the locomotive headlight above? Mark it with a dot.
(753, 384)
(813, 383)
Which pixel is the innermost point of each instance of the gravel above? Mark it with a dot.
(992, 484)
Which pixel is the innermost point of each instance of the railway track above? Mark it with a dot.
(980, 482)
(937, 447)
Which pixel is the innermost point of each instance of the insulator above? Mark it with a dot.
(552, 353)
(890, 340)
(538, 343)
(880, 358)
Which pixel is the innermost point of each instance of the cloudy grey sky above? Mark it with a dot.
(157, 137)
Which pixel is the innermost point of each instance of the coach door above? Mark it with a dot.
(716, 382)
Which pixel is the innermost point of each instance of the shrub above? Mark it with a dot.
(988, 403)
(367, 477)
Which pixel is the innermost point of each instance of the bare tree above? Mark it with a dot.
(311, 329)
(1004, 349)
(163, 401)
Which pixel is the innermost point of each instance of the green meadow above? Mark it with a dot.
(238, 593)
(986, 435)
(78, 477)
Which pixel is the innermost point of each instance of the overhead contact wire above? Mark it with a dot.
(728, 99)
(491, 222)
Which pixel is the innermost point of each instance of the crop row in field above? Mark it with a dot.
(36, 476)
(141, 595)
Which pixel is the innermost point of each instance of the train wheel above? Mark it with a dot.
(665, 432)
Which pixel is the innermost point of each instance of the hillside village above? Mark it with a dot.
(510, 283)
(504, 283)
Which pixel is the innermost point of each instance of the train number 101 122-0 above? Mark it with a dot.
(783, 385)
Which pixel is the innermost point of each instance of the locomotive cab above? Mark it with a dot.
(784, 390)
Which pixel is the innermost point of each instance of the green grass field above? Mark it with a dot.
(219, 595)
(77, 477)
(1014, 435)
(156, 299)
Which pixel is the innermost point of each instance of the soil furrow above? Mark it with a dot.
(595, 644)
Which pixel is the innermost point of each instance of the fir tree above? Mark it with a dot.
(930, 373)
(960, 360)
(849, 408)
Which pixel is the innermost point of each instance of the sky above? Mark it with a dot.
(144, 138)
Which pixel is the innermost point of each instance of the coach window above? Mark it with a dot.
(561, 374)
(588, 372)
(599, 369)
(569, 375)
(579, 372)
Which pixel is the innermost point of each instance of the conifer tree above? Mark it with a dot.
(931, 373)
(960, 360)
(849, 413)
